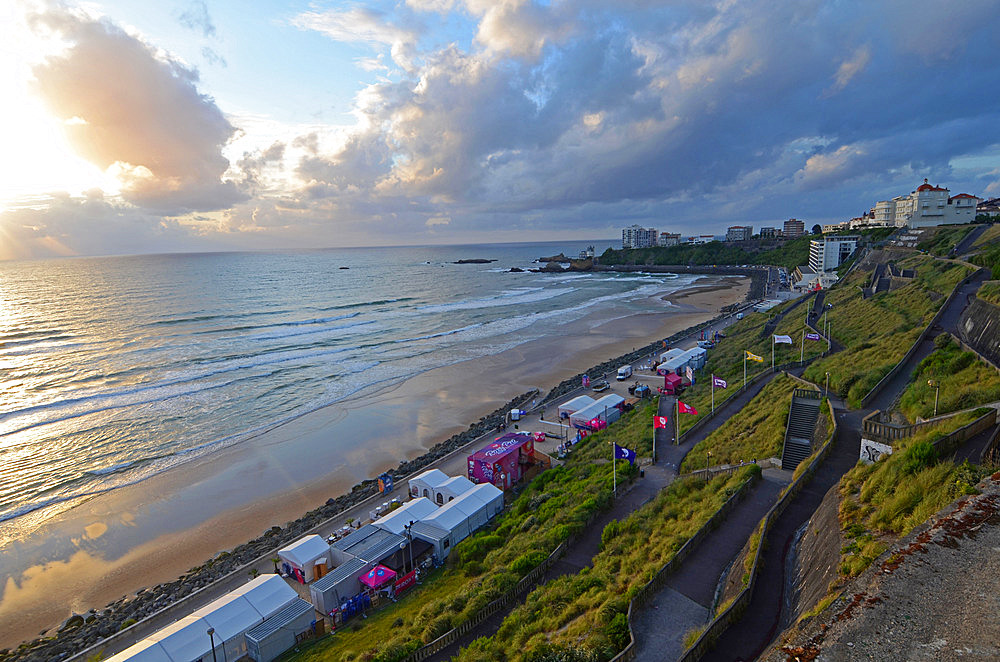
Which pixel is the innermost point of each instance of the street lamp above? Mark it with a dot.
(211, 636)
(937, 392)
(707, 461)
(828, 384)
(409, 539)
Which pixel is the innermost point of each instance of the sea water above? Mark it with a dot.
(115, 369)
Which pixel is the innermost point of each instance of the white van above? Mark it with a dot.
(624, 372)
(739, 316)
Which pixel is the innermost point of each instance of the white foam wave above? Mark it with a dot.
(498, 300)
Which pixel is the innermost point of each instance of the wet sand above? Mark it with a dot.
(117, 543)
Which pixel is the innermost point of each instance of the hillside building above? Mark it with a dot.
(739, 233)
(770, 233)
(926, 207)
(828, 253)
(794, 228)
(669, 239)
(636, 236)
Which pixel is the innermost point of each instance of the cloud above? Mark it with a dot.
(851, 68)
(196, 17)
(142, 115)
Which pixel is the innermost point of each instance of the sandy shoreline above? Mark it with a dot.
(152, 532)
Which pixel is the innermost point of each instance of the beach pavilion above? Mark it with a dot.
(305, 559)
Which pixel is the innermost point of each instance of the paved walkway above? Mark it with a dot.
(748, 638)
(685, 600)
(579, 555)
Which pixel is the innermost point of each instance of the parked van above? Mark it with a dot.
(624, 372)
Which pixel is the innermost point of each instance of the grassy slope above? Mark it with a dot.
(945, 238)
(877, 332)
(990, 291)
(587, 610)
(884, 501)
(964, 380)
(990, 236)
(756, 431)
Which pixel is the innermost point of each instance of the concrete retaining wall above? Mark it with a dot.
(980, 330)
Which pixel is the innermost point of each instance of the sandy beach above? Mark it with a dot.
(116, 543)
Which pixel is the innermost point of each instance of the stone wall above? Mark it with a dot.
(980, 329)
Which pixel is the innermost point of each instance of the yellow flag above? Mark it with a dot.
(754, 357)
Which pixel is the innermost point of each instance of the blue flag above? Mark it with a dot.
(622, 453)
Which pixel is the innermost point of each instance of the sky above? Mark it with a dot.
(132, 126)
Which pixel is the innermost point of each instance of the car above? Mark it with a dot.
(601, 385)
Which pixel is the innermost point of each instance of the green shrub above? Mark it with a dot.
(918, 457)
(525, 563)
(617, 631)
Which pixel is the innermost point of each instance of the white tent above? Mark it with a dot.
(566, 409)
(231, 616)
(451, 488)
(610, 400)
(451, 517)
(697, 357)
(456, 520)
(670, 354)
(277, 634)
(424, 484)
(304, 555)
(413, 510)
(185, 640)
(583, 417)
(490, 497)
(146, 650)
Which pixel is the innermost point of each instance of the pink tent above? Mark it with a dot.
(377, 576)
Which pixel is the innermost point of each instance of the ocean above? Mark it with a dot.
(115, 369)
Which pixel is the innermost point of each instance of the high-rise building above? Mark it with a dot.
(794, 228)
(636, 236)
(739, 233)
(828, 253)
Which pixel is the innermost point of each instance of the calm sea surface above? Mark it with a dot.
(114, 369)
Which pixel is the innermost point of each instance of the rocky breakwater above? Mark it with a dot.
(81, 632)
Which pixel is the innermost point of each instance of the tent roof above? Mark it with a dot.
(349, 568)
(287, 615)
(457, 484)
(611, 400)
(413, 510)
(430, 529)
(451, 514)
(433, 477)
(377, 576)
(146, 650)
(305, 550)
(486, 492)
(501, 446)
(579, 402)
(370, 543)
(671, 353)
(186, 639)
(267, 593)
(231, 617)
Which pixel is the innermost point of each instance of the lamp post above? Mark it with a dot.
(937, 392)
(211, 636)
(828, 384)
(708, 459)
(409, 539)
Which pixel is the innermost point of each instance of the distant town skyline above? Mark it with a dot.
(194, 125)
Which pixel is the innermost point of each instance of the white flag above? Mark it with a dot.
(783, 339)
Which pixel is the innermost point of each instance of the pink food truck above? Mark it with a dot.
(504, 461)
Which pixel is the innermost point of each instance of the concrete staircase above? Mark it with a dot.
(801, 426)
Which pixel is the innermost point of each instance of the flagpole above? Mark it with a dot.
(802, 351)
(614, 468)
(677, 419)
(713, 394)
(744, 369)
(772, 353)
(654, 438)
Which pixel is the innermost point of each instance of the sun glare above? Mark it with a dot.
(36, 157)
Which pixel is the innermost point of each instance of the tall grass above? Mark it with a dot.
(945, 238)
(878, 331)
(990, 291)
(964, 382)
(756, 431)
(884, 501)
(582, 610)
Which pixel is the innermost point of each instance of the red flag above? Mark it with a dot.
(659, 422)
(686, 409)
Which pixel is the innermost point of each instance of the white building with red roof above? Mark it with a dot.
(928, 206)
